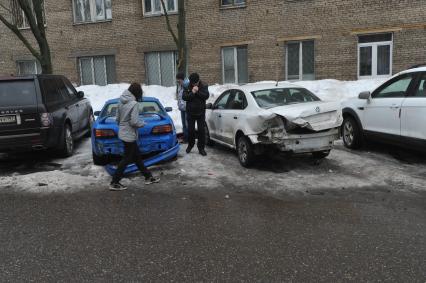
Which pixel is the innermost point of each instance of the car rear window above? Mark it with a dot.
(17, 93)
(269, 98)
(145, 107)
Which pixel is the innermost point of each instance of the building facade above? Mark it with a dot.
(229, 41)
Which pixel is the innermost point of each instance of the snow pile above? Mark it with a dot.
(330, 90)
(333, 90)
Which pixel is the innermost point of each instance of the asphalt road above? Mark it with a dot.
(184, 234)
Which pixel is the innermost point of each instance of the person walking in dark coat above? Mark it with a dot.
(128, 125)
(196, 96)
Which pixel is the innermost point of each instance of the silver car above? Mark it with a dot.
(287, 118)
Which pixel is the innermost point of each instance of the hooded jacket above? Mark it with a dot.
(196, 102)
(128, 117)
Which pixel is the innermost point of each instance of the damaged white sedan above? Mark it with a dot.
(286, 118)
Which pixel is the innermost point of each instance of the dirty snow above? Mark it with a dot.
(342, 169)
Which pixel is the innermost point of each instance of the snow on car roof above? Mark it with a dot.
(267, 85)
(147, 99)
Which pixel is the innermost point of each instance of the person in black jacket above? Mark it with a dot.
(195, 96)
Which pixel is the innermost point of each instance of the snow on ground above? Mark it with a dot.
(330, 90)
(343, 168)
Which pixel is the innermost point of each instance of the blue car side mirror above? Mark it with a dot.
(169, 109)
(97, 113)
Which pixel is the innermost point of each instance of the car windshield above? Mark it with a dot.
(17, 93)
(269, 98)
(145, 108)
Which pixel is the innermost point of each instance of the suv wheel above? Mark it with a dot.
(90, 125)
(245, 151)
(67, 142)
(351, 132)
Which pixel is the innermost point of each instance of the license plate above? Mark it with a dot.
(11, 119)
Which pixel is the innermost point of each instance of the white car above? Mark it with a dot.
(285, 117)
(395, 112)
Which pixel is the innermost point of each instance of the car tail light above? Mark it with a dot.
(46, 119)
(104, 134)
(164, 129)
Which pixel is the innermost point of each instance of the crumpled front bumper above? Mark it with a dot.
(163, 156)
(305, 143)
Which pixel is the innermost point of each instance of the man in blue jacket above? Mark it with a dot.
(128, 125)
(196, 96)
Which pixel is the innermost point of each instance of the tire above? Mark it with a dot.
(351, 133)
(208, 141)
(99, 160)
(320, 154)
(90, 125)
(67, 143)
(245, 152)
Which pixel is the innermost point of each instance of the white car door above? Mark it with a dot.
(216, 118)
(413, 116)
(382, 112)
(232, 115)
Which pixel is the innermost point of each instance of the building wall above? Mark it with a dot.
(264, 26)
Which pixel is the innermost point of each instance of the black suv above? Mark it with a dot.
(42, 112)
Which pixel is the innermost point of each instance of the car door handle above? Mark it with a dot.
(78, 105)
(235, 117)
(394, 106)
(220, 116)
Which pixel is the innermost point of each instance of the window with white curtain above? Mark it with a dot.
(300, 60)
(375, 55)
(89, 11)
(98, 70)
(28, 67)
(235, 65)
(154, 7)
(160, 68)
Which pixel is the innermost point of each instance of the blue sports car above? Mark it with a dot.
(157, 139)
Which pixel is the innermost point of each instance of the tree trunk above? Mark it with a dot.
(33, 10)
(182, 48)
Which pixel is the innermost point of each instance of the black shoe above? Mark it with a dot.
(188, 149)
(117, 187)
(202, 152)
(151, 180)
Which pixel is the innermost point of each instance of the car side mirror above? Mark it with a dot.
(364, 95)
(169, 109)
(97, 113)
(209, 106)
(80, 94)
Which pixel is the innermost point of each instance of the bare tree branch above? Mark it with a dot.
(5, 8)
(18, 33)
(169, 27)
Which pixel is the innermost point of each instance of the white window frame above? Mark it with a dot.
(161, 12)
(235, 63)
(374, 46)
(160, 77)
(92, 65)
(37, 68)
(300, 59)
(92, 13)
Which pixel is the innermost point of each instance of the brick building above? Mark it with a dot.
(107, 41)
